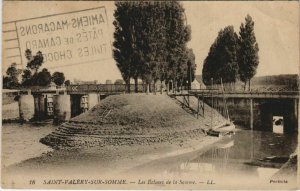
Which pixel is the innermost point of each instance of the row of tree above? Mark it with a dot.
(32, 76)
(150, 42)
(232, 57)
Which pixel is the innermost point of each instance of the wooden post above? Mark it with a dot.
(203, 103)
(296, 108)
(295, 117)
(252, 146)
(211, 109)
(198, 107)
(251, 114)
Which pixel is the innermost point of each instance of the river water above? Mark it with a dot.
(249, 155)
(253, 155)
(21, 142)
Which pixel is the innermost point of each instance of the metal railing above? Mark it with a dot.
(105, 88)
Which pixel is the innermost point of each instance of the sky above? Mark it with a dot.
(276, 30)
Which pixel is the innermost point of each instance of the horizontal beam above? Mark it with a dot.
(294, 95)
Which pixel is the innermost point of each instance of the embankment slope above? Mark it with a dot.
(131, 119)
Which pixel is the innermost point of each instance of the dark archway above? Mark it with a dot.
(75, 105)
(283, 107)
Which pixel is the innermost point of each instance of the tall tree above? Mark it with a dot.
(30, 75)
(248, 58)
(153, 43)
(221, 62)
(34, 62)
(150, 41)
(178, 34)
(123, 43)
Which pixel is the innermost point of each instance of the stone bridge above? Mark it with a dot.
(63, 103)
(254, 109)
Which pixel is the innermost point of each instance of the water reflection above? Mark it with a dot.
(249, 153)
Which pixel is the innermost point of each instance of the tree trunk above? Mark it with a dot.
(148, 88)
(144, 88)
(161, 86)
(136, 85)
(128, 87)
(175, 86)
(127, 84)
(249, 85)
(168, 86)
(245, 84)
(181, 82)
(154, 88)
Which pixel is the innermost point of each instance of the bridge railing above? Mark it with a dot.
(105, 88)
(254, 88)
(272, 88)
(246, 94)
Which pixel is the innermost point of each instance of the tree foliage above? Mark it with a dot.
(221, 62)
(58, 78)
(42, 78)
(34, 62)
(33, 77)
(248, 53)
(67, 83)
(11, 81)
(27, 78)
(123, 51)
(232, 57)
(150, 41)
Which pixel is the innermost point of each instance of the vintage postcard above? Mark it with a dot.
(150, 95)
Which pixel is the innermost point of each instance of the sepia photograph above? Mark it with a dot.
(153, 95)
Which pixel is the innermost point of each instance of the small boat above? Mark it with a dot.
(213, 133)
(226, 129)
